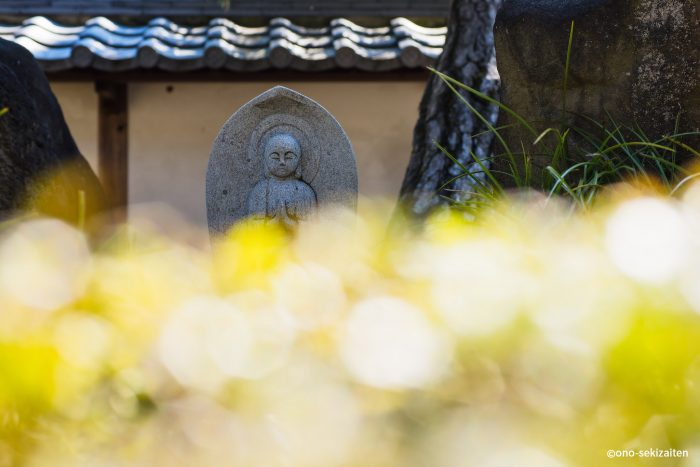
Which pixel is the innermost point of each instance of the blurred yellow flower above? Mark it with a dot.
(528, 336)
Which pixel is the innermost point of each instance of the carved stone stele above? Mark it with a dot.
(280, 158)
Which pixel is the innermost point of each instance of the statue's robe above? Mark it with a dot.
(286, 201)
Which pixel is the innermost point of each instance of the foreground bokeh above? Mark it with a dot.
(532, 337)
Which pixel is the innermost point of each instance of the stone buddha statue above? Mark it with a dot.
(282, 196)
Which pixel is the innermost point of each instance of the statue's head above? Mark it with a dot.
(283, 156)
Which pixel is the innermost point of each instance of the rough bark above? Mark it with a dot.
(469, 57)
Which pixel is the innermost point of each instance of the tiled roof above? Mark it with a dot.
(222, 44)
(238, 8)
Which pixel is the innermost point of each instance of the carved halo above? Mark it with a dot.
(302, 130)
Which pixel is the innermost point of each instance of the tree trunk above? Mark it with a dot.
(469, 57)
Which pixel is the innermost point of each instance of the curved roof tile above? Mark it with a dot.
(102, 44)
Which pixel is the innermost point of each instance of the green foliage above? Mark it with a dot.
(611, 152)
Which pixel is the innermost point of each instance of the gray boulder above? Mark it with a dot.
(41, 168)
(636, 59)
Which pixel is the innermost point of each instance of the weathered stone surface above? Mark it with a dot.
(41, 167)
(279, 158)
(636, 59)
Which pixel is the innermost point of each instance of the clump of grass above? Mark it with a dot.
(605, 153)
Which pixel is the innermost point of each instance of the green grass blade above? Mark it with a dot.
(564, 185)
(82, 209)
(481, 165)
(488, 124)
(683, 145)
(566, 71)
(545, 133)
(487, 98)
(683, 182)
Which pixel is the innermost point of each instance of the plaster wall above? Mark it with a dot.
(172, 127)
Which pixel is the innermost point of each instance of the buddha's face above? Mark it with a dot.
(282, 155)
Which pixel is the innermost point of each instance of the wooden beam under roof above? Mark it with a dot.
(209, 76)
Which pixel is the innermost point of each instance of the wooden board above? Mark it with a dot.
(113, 144)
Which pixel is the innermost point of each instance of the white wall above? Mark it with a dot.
(172, 127)
(79, 104)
